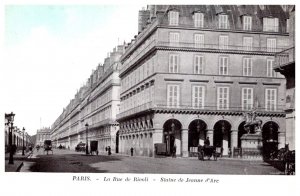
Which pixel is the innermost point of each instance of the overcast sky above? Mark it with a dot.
(50, 52)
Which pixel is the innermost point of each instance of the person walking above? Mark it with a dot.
(131, 151)
(207, 142)
(109, 150)
(174, 151)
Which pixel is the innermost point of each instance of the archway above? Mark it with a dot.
(117, 142)
(222, 137)
(197, 134)
(269, 138)
(241, 132)
(172, 135)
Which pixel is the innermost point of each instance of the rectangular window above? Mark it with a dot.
(270, 70)
(173, 96)
(173, 18)
(198, 64)
(198, 97)
(247, 23)
(223, 65)
(199, 40)
(223, 22)
(223, 98)
(271, 99)
(247, 66)
(199, 20)
(247, 98)
(247, 43)
(271, 45)
(270, 24)
(173, 63)
(173, 38)
(223, 42)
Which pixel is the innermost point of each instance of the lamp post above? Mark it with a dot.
(86, 139)
(10, 120)
(23, 142)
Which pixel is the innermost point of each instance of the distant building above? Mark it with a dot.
(42, 135)
(285, 64)
(96, 104)
(193, 71)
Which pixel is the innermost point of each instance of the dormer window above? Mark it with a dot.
(199, 20)
(247, 23)
(270, 24)
(223, 21)
(173, 18)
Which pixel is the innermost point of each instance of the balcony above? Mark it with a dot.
(190, 109)
(136, 110)
(285, 57)
(190, 46)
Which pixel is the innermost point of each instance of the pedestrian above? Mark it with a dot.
(174, 151)
(106, 148)
(207, 142)
(131, 151)
(109, 150)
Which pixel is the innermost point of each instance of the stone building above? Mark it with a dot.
(285, 64)
(194, 71)
(42, 135)
(96, 105)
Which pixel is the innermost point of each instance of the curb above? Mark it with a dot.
(19, 167)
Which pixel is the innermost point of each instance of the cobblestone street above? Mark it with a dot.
(70, 161)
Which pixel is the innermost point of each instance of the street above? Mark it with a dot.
(70, 161)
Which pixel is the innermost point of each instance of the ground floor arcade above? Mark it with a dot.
(185, 132)
(104, 136)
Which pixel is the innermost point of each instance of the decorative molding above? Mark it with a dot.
(222, 81)
(199, 80)
(173, 79)
(248, 83)
(271, 83)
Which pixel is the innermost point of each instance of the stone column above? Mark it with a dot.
(184, 142)
(157, 138)
(281, 140)
(210, 134)
(234, 140)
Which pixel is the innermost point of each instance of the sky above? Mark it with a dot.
(50, 51)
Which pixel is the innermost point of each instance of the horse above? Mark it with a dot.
(207, 151)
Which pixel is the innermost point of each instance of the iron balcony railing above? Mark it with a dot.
(189, 106)
(140, 52)
(285, 56)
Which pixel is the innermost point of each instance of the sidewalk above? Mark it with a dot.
(18, 161)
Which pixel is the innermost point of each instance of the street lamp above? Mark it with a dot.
(23, 142)
(86, 139)
(10, 120)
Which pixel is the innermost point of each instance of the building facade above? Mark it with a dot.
(91, 115)
(42, 135)
(195, 71)
(18, 137)
(285, 64)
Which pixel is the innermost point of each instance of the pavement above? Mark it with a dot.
(77, 162)
(18, 161)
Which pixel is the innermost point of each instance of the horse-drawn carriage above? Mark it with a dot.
(208, 151)
(47, 146)
(285, 157)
